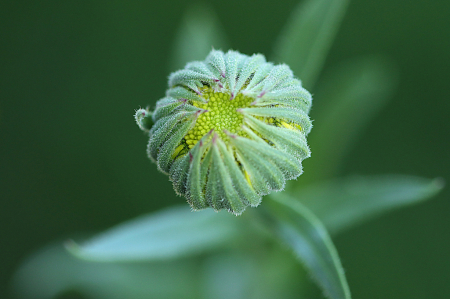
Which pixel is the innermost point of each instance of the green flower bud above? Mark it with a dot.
(231, 129)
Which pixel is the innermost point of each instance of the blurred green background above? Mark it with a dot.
(73, 160)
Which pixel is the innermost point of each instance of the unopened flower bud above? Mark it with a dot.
(231, 129)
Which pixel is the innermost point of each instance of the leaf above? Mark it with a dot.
(226, 274)
(199, 32)
(306, 38)
(260, 274)
(52, 271)
(342, 203)
(293, 223)
(345, 101)
(168, 234)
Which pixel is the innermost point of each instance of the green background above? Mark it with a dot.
(73, 160)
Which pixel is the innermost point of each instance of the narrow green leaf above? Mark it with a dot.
(346, 100)
(307, 36)
(168, 234)
(199, 32)
(53, 270)
(294, 224)
(342, 203)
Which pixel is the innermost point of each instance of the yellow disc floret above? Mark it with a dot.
(220, 114)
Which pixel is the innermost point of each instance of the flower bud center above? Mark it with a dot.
(221, 114)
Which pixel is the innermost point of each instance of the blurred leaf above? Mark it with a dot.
(342, 203)
(265, 273)
(199, 32)
(307, 36)
(167, 234)
(346, 100)
(294, 224)
(227, 274)
(53, 270)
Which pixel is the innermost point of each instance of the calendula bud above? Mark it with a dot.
(231, 129)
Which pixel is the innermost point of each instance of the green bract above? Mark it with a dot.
(231, 129)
